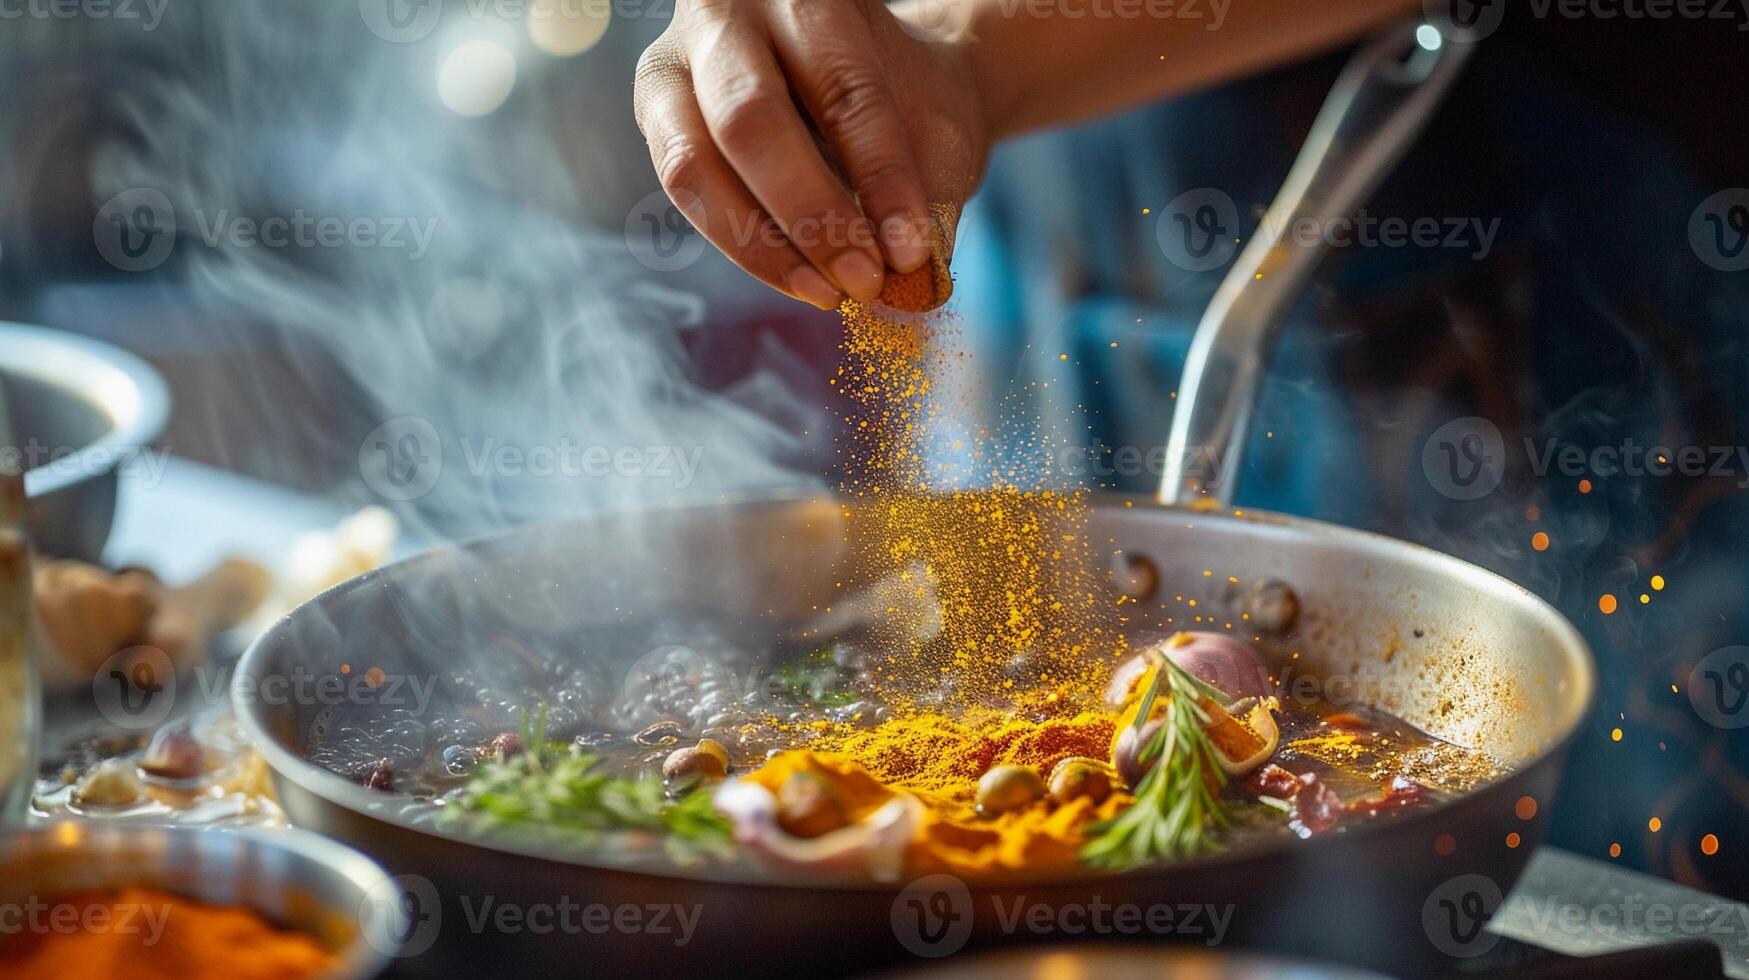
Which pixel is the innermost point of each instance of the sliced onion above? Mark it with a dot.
(874, 845)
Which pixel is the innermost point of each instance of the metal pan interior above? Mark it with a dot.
(1455, 650)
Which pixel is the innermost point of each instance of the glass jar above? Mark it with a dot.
(20, 697)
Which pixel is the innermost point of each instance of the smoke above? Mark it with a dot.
(465, 278)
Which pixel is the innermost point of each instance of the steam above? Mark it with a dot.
(471, 301)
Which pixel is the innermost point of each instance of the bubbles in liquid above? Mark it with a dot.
(676, 682)
(358, 736)
(459, 760)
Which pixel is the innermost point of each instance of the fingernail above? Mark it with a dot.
(908, 244)
(858, 275)
(813, 288)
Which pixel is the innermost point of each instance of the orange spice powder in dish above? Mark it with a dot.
(149, 934)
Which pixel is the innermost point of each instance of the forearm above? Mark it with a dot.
(1042, 63)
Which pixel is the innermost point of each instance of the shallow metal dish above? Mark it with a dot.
(296, 879)
(1449, 647)
(92, 406)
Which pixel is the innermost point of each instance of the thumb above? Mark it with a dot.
(929, 285)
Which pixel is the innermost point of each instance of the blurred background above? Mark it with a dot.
(317, 218)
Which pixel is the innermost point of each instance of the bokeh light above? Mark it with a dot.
(476, 78)
(568, 27)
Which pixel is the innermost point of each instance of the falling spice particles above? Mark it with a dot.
(1005, 568)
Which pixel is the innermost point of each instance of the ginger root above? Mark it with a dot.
(86, 614)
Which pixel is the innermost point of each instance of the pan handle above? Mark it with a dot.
(1379, 104)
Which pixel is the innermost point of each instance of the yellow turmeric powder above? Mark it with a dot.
(148, 934)
(1026, 628)
(1002, 557)
(1041, 837)
(955, 839)
(940, 759)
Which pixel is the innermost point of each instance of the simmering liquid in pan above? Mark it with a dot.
(704, 751)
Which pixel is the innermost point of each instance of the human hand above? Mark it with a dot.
(817, 143)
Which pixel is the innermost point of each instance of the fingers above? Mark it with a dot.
(827, 49)
(746, 104)
(706, 189)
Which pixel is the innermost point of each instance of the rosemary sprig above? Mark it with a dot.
(554, 789)
(1177, 809)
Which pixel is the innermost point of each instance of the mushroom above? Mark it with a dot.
(1077, 777)
(174, 754)
(1009, 787)
(707, 761)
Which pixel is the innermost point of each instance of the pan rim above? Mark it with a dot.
(365, 803)
(133, 396)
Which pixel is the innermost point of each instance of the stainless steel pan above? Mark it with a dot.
(1455, 650)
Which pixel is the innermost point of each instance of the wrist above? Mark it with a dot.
(992, 87)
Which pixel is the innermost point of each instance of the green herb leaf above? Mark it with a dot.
(550, 790)
(1177, 813)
